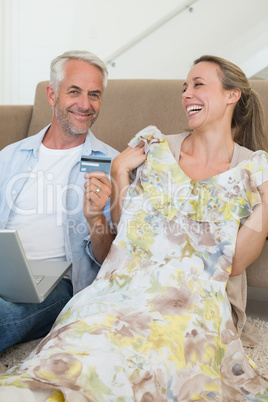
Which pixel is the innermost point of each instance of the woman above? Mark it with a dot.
(160, 327)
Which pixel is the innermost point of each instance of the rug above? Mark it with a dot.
(257, 355)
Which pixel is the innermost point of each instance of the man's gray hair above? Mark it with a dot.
(57, 66)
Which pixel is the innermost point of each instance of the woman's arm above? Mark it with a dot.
(252, 235)
(122, 165)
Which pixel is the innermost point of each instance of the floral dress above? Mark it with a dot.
(156, 324)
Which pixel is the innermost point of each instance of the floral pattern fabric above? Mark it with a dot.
(156, 324)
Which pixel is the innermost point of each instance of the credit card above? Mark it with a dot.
(95, 164)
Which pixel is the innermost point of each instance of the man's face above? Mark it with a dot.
(79, 97)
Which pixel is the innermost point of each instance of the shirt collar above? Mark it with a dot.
(91, 144)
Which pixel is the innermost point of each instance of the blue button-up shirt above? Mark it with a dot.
(16, 163)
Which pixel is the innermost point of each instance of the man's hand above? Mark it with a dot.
(97, 193)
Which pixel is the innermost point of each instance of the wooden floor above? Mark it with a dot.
(257, 304)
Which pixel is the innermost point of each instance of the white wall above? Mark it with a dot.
(33, 32)
(36, 31)
(234, 29)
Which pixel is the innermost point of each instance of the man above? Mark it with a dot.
(59, 213)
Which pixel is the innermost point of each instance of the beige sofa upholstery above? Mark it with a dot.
(127, 107)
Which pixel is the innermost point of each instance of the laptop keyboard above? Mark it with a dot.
(38, 278)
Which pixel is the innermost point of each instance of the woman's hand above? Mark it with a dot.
(128, 160)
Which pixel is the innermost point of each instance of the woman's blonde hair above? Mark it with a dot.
(248, 123)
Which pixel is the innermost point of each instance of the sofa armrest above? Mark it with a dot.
(15, 121)
(257, 273)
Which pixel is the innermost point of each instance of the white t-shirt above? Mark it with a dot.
(37, 212)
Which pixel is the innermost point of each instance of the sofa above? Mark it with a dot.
(127, 107)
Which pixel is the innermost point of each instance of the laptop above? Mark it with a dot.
(23, 281)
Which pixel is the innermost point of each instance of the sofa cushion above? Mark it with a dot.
(42, 111)
(127, 107)
(15, 121)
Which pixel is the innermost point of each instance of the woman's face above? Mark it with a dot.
(204, 100)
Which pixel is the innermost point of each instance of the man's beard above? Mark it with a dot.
(66, 126)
